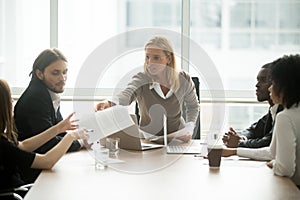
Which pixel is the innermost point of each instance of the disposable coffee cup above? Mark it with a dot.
(214, 156)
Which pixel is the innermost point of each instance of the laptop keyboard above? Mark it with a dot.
(177, 149)
(187, 149)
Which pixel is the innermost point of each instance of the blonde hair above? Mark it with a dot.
(165, 45)
(6, 116)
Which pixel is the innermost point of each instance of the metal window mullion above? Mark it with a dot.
(225, 25)
(185, 34)
(53, 23)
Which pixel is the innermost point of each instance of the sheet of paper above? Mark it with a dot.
(188, 129)
(147, 136)
(106, 122)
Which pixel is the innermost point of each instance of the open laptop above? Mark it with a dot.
(130, 138)
(196, 148)
(176, 146)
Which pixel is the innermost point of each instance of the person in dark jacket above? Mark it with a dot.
(258, 134)
(39, 106)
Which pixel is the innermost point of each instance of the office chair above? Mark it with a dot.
(15, 193)
(197, 129)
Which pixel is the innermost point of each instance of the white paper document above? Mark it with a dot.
(188, 129)
(106, 122)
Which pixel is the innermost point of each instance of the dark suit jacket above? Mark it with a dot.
(34, 113)
(260, 133)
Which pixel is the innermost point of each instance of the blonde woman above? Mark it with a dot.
(16, 156)
(161, 90)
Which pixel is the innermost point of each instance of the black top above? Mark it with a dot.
(260, 133)
(12, 159)
(34, 113)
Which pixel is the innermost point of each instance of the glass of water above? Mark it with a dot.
(101, 157)
(113, 145)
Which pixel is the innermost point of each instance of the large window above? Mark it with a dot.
(25, 32)
(238, 35)
(243, 35)
(86, 24)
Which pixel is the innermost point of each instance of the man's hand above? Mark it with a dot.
(67, 124)
(79, 134)
(231, 139)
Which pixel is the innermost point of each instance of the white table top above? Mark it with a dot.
(156, 175)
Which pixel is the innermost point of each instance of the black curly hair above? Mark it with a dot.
(285, 76)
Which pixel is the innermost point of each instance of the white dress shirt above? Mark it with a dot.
(284, 150)
(157, 89)
(56, 103)
(55, 100)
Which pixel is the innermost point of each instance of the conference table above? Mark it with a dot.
(154, 174)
